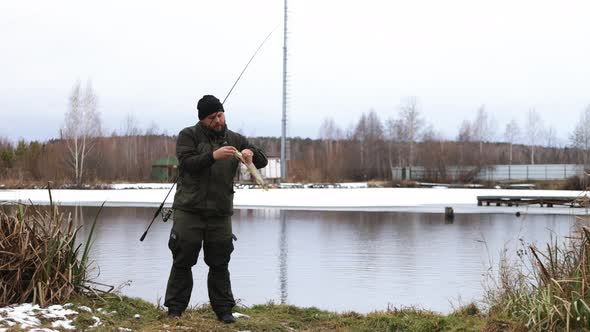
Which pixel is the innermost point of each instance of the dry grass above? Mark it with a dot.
(550, 289)
(40, 259)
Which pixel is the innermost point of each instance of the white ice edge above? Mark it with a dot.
(426, 200)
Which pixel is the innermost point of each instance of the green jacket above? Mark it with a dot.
(204, 184)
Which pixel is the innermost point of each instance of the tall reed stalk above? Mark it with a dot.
(551, 291)
(40, 259)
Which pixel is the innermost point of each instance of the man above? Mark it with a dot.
(203, 205)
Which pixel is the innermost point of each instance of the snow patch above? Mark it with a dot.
(97, 322)
(141, 186)
(238, 315)
(63, 324)
(353, 185)
(23, 314)
(85, 308)
(27, 316)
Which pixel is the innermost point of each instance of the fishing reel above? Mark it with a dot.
(166, 214)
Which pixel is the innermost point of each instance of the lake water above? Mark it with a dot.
(337, 261)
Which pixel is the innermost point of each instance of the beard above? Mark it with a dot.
(219, 130)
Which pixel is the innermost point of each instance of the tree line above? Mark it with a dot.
(366, 150)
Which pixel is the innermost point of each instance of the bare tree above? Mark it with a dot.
(369, 132)
(131, 125)
(434, 156)
(374, 127)
(464, 137)
(153, 129)
(360, 135)
(550, 134)
(131, 131)
(580, 138)
(81, 128)
(534, 130)
(395, 134)
(329, 132)
(465, 133)
(511, 135)
(331, 137)
(412, 123)
(430, 134)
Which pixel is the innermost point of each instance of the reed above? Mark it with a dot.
(40, 259)
(550, 289)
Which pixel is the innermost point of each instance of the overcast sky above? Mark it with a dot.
(155, 59)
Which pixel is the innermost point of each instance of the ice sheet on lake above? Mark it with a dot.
(343, 199)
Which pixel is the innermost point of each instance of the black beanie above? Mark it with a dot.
(209, 105)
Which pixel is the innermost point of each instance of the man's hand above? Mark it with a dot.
(247, 154)
(224, 152)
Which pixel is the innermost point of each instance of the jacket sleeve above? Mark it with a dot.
(189, 158)
(259, 159)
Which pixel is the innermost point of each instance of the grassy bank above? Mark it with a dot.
(124, 314)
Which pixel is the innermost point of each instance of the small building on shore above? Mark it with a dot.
(165, 169)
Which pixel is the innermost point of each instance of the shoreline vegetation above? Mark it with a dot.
(41, 260)
(42, 263)
(115, 313)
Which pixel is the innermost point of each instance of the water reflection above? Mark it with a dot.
(283, 257)
(360, 261)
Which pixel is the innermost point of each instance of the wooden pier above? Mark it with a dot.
(543, 201)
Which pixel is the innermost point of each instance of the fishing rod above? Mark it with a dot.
(246, 67)
(166, 216)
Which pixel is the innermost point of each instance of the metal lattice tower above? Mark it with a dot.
(284, 118)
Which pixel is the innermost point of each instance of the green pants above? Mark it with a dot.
(189, 233)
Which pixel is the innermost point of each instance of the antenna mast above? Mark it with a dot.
(284, 119)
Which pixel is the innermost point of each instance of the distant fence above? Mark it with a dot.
(490, 173)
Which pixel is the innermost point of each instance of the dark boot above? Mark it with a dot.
(174, 314)
(226, 317)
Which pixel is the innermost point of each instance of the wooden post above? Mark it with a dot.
(449, 213)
